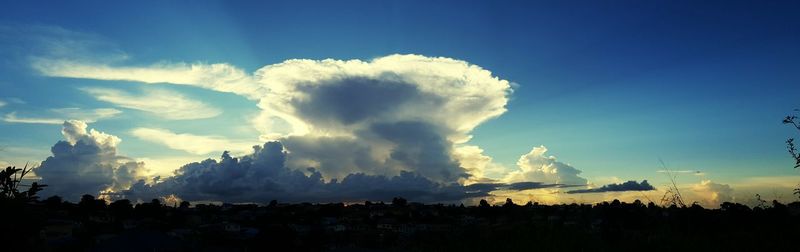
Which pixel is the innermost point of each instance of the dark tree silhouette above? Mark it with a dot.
(121, 207)
(53, 201)
(399, 202)
(89, 204)
(185, 204)
(21, 222)
(509, 203)
(11, 181)
(792, 119)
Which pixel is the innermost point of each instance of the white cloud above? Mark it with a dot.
(220, 77)
(467, 86)
(12, 118)
(64, 114)
(166, 166)
(163, 103)
(88, 116)
(87, 162)
(194, 144)
(712, 194)
(479, 165)
(535, 166)
(2, 103)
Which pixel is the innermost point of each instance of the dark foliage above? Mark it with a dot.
(402, 226)
(20, 222)
(11, 181)
(792, 119)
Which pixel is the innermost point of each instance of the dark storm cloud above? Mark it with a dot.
(355, 99)
(339, 155)
(379, 113)
(423, 147)
(627, 186)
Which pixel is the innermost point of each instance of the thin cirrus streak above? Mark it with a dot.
(162, 103)
(63, 114)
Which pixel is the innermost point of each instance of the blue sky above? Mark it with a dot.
(608, 86)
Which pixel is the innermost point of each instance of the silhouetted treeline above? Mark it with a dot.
(93, 225)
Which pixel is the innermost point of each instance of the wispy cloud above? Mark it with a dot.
(221, 77)
(693, 172)
(12, 118)
(195, 144)
(2, 103)
(63, 114)
(38, 42)
(163, 103)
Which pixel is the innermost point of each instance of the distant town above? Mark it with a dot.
(93, 225)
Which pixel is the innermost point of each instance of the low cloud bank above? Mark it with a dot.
(87, 162)
(623, 187)
(263, 176)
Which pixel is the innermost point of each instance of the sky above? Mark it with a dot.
(422, 96)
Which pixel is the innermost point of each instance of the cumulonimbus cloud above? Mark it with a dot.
(400, 112)
(160, 102)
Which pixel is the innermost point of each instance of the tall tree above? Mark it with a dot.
(792, 119)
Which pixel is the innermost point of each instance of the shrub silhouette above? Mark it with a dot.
(21, 221)
(12, 181)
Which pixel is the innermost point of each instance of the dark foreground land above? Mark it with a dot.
(91, 225)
